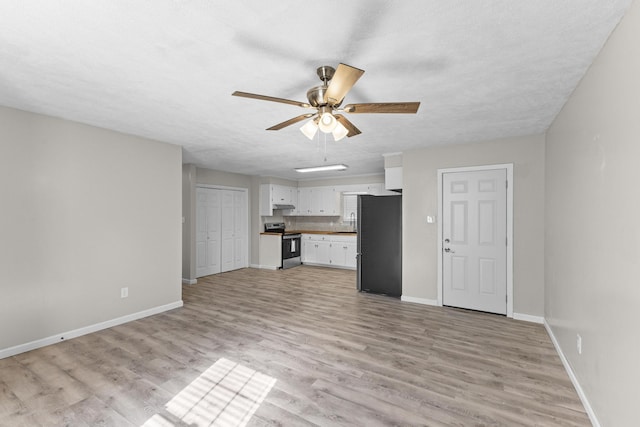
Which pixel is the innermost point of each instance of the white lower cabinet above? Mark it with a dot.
(329, 250)
(343, 254)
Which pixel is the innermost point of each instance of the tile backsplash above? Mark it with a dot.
(318, 223)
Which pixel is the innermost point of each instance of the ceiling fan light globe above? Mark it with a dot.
(309, 129)
(339, 132)
(327, 123)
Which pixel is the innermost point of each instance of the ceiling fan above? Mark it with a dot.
(326, 100)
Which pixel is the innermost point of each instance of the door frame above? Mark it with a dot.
(509, 169)
(246, 219)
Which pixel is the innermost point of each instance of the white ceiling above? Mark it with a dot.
(165, 69)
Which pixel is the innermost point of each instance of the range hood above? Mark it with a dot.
(283, 206)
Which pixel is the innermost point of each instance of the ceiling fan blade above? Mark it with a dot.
(343, 80)
(383, 107)
(270, 98)
(353, 131)
(291, 121)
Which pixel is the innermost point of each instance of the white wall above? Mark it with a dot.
(420, 198)
(84, 212)
(592, 257)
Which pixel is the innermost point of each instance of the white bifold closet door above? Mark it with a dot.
(221, 230)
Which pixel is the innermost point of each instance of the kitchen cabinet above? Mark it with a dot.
(393, 178)
(315, 249)
(304, 201)
(329, 250)
(342, 252)
(270, 251)
(318, 201)
(274, 194)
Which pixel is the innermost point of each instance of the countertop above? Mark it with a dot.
(333, 233)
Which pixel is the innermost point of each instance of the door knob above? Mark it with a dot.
(449, 251)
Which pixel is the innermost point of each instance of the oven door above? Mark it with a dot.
(291, 250)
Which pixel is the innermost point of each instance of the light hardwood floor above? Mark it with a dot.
(299, 347)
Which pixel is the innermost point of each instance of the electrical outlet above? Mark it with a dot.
(579, 343)
(124, 292)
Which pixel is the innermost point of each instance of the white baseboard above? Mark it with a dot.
(22, 348)
(265, 267)
(189, 281)
(528, 318)
(572, 376)
(424, 301)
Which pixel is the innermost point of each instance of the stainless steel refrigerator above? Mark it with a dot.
(380, 244)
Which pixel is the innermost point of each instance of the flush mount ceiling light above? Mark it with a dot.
(340, 167)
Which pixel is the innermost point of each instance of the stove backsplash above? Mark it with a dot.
(317, 223)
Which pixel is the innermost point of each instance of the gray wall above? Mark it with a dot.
(84, 212)
(592, 256)
(420, 198)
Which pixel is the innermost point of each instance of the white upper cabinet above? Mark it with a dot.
(273, 194)
(318, 201)
(393, 178)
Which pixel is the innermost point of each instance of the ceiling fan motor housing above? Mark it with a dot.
(315, 95)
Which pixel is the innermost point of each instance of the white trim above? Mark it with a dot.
(12, 351)
(572, 377)
(509, 170)
(528, 318)
(424, 301)
(189, 281)
(265, 267)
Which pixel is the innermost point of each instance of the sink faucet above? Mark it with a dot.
(352, 220)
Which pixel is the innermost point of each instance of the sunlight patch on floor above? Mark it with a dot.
(226, 394)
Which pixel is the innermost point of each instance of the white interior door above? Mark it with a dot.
(207, 232)
(474, 240)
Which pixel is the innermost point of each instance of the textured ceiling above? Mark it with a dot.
(165, 69)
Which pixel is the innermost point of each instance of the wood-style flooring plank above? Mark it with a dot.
(320, 352)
